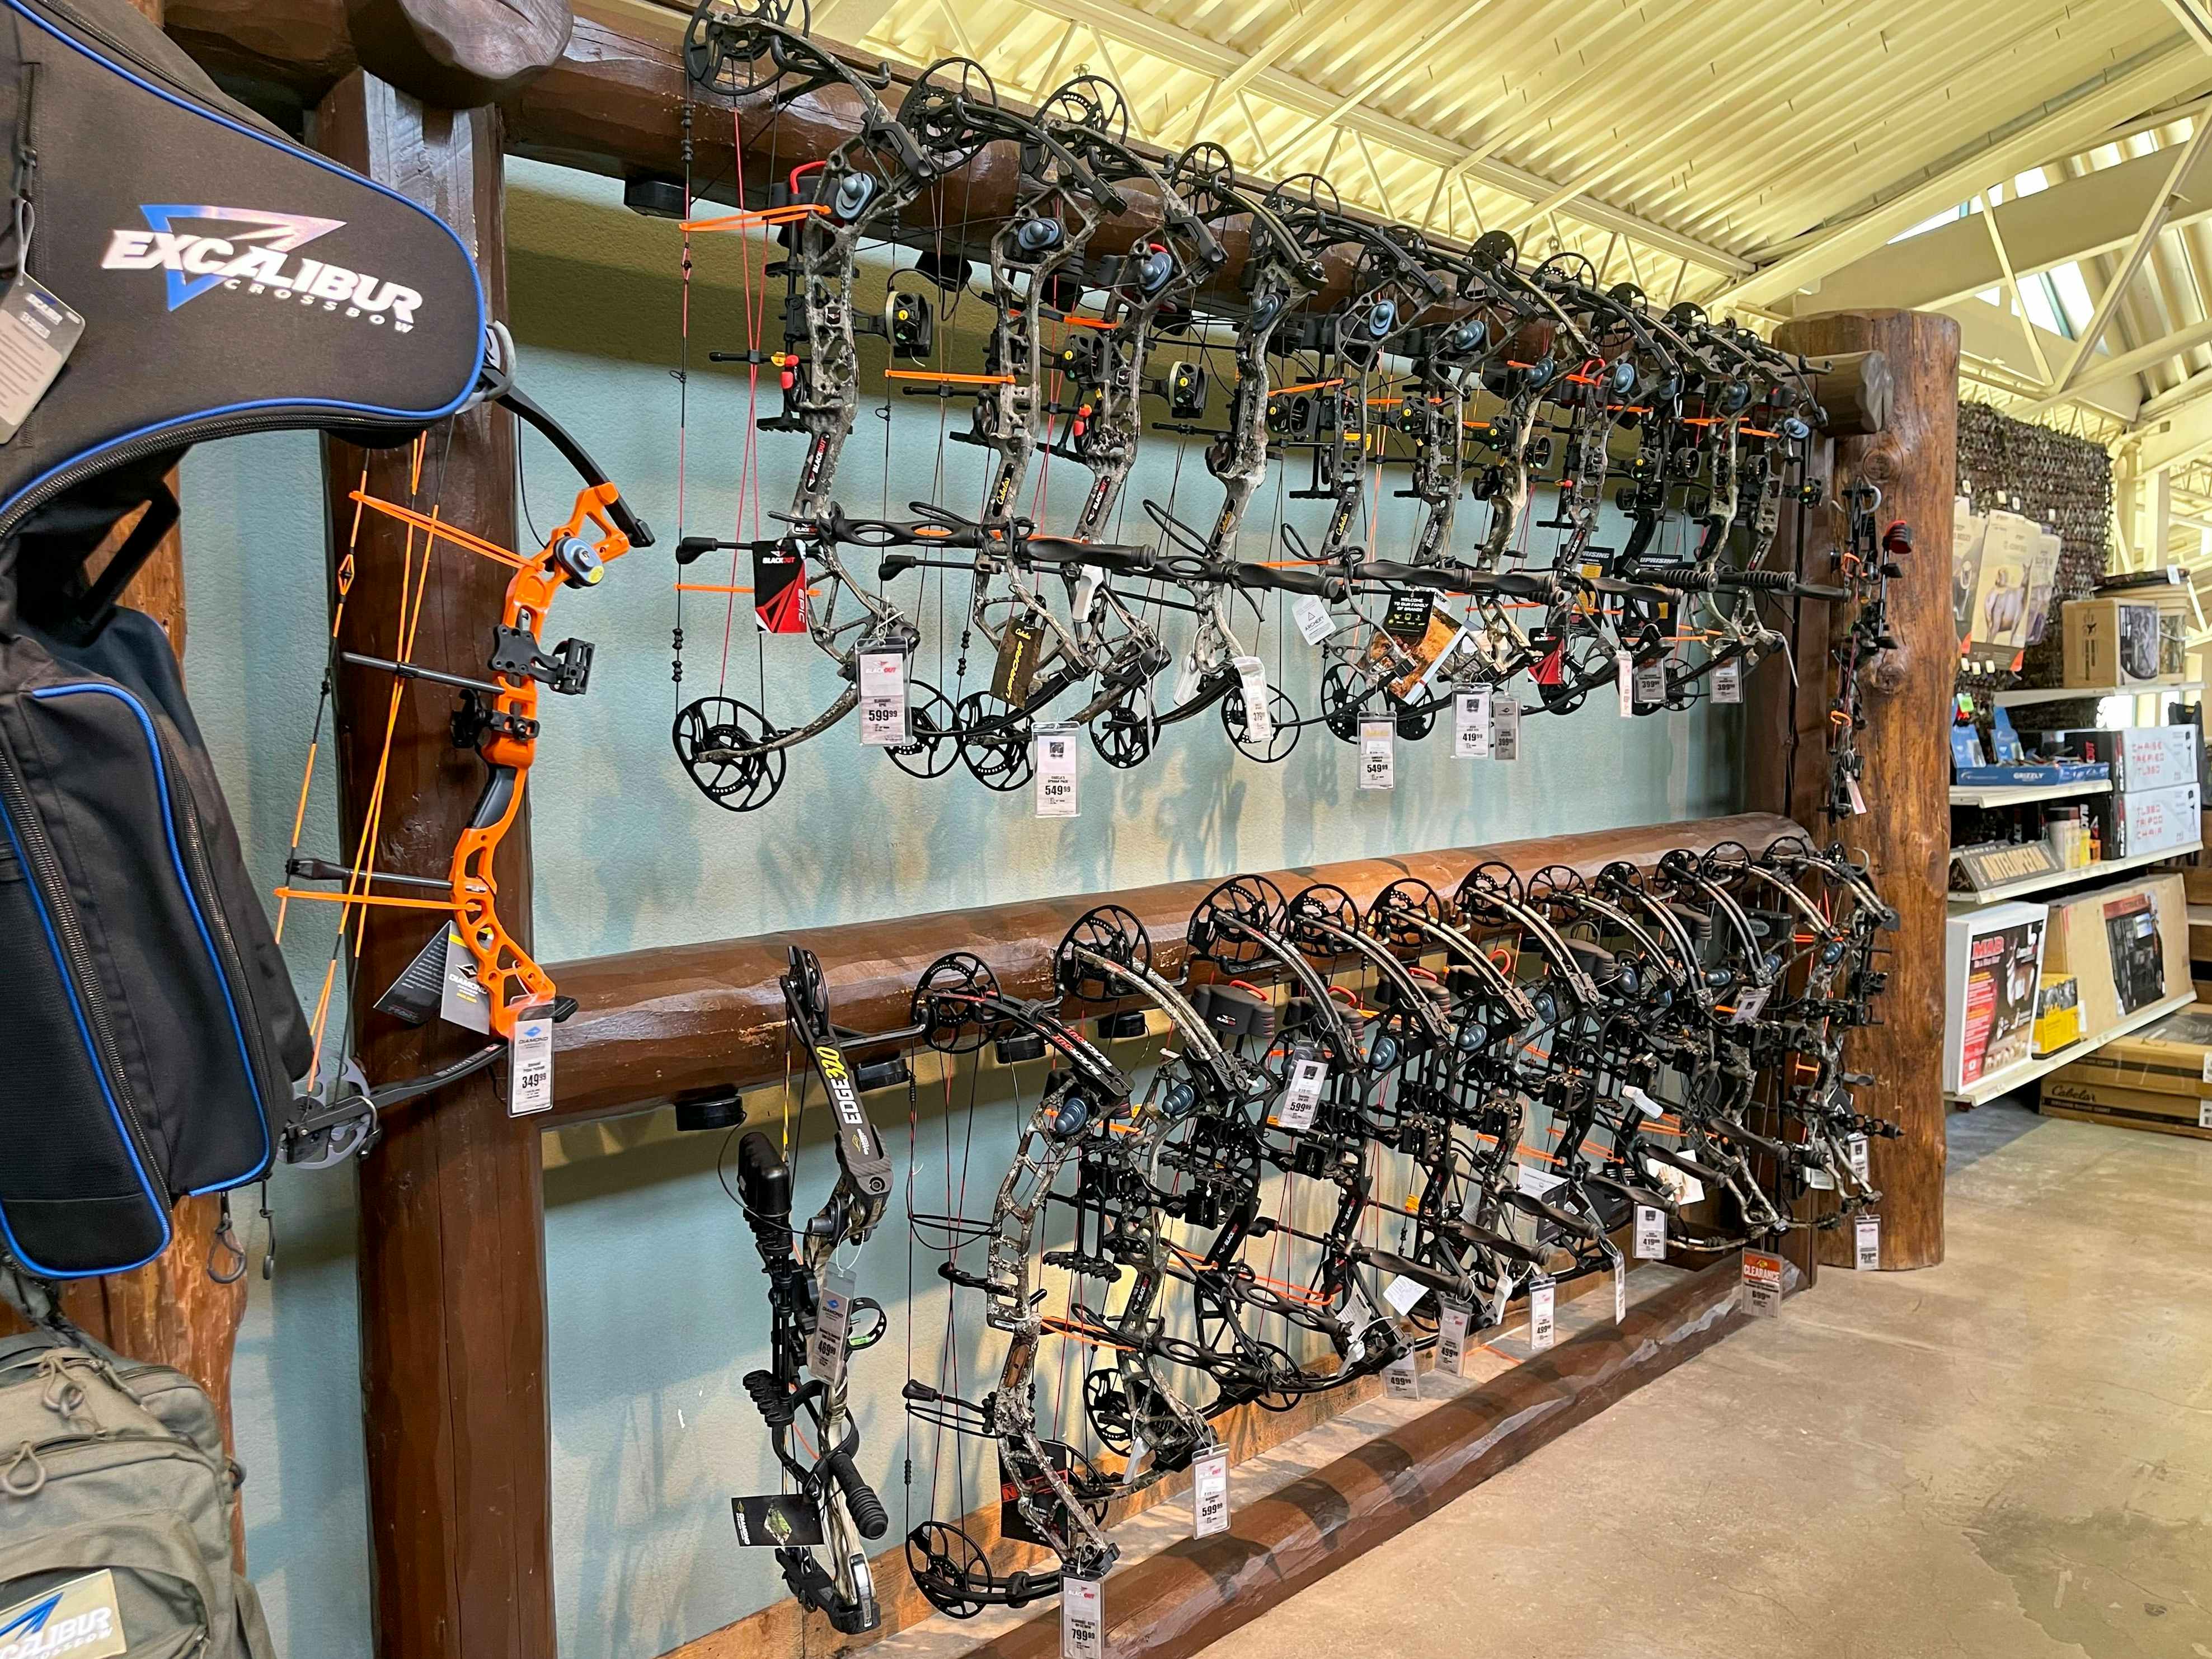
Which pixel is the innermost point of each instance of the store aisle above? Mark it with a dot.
(2009, 1455)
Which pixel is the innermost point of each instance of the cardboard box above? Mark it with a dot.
(1992, 969)
(2146, 821)
(2125, 1108)
(2174, 1057)
(2057, 1013)
(2127, 946)
(2138, 640)
(2139, 756)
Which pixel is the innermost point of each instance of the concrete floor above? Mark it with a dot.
(2008, 1456)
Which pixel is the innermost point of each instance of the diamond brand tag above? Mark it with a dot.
(461, 1000)
(1314, 623)
(530, 1062)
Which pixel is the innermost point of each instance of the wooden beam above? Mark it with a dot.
(650, 1026)
(452, 1264)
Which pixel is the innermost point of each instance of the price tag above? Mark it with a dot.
(1055, 770)
(1762, 1284)
(1749, 1001)
(1400, 1380)
(1471, 729)
(1505, 1284)
(1620, 1287)
(1377, 767)
(1651, 682)
(1259, 719)
(1082, 1619)
(36, 334)
(833, 1322)
(1543, 1329)
(1402, 1292)
(1643, 1102)
(1311, 616)
(530, 1062)
(1866, 1237)
(1302, 1098)
(1187, 680)
(461, 999)
(1451, 1339)
(2204, 1114)
(1537, 1183)
(1624, 682)
(1861, 1164)
(1209, 1495)
(1857, 795)
(1727, 682)
(1650, 1233)
(1505, 729)
(1819, 1179)
(885, 720)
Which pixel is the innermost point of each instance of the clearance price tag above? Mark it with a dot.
(1082, 1619)
(1543, 1329)
(1728, 682)
(1451, 1339)
(530, 1062)
(1762, 1284)
(1505, 729)
(1377, 767)
(1471, 729)
(1866, 1235)
(1055, 770)
(884, 722)
(1209, 1495)
(1259, 719)
(1314, 623)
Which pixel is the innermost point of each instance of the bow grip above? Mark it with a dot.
(894, 564)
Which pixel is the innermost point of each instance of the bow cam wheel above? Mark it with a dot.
(1315, 914)
(1254, 902)
(1283, 731)
(1397, 910)
(935, 748)
(1101, 940)
(1123, 736)
(945, 1002)
(723, 746)
(996, 741)
(727, 50)
(947, 1568)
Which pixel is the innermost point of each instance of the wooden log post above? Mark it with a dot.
(452, 1260)
(1906, 830)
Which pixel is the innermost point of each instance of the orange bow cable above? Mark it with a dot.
(791, 214)
(1306, 386)
(940, 377)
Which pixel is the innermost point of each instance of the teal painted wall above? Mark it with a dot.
(654, 1289)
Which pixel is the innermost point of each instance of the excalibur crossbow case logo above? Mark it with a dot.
(228, 280)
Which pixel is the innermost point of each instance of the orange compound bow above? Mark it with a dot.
(498, 717)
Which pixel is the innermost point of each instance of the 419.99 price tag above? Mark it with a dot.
(1471, 725)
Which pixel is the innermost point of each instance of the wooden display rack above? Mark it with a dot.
(452, 1254)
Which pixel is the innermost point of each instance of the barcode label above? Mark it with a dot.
(1056, 771)
(530, 1062)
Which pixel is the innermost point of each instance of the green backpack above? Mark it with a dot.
(116, 1499)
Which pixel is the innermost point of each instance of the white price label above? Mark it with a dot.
(1471, 725)
(461, 1000)
(1377, 759)
(1857, 795)
(1620, 1287)
(1537, 1183)
(1862, 1163)
(1624, 682)
(884, 722)
(2204, 1114)
(1082, 1619)
(1314, 623)
(1451, 1339)
(833, 1323)
(1651, 682)
(1259, 719)
(1505, 729)
(1505, 1284)
(530, 1062)
(1188, 679)
(1650, 1233)
(1402, 1292)
(1302, 1098)
(1056, 771)
(1866, 1236)
(1209, 1495)
(1543, 1327)
(1643, 1102)
(1728, 682)
(1762, 1284)
(1819, 1179)
(1749, 1001)
(1400, 1380)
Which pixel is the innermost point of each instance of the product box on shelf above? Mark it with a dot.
(2174, 1057)
(2025, 777)
(2127, 946)
(2057, 1013)
(2146, 821)
(1992, 965)
(2138, 640)
(2126, 1109)
(2139, 757)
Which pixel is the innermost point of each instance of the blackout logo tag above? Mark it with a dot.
(250, 252)
(778, 590)
(78, 1621)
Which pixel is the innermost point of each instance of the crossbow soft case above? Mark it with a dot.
(228, 281)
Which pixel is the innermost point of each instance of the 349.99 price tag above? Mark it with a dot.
(1055, 770)
(1082, 1619)
(1651, 682)
(1728, 682)
(885, 721)
(1377, 759)
(530, 1062)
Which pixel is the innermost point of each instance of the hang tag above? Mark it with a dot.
(1089, 579)
(1651, 682)
(1538, 1184)
(1259, 719)
(1643, 1102)
(1505, 1295)
(461, 999)
(1082, 1619)
(1620, 1287)
(1018, 660)
(780, 589)
(1624, 682)
(1505, 729)
(1543, 1329)
(1819, 1180)
(1861, 1161)
(2204, 1114)
(833, 1323)
(1302, 1098)
(36, 334)
(1748, 1002)
(1866, 1235)
(1762, 1284)
(1400, 1380)
(1857, 795)
(1727, 682)
(1209, 1495)
(1401, 1293)
(1377, 759)
(1311, 616)
(1650, 1233)
(1055, 770)
(1451, 1339)
(885, 722)
(1188, 678)
(1471, 725)
(784, 1520)
(530, 1062)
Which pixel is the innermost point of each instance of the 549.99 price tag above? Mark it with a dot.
(1377, 757)
(1056, 771)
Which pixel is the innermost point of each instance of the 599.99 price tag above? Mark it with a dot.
(884, 719)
